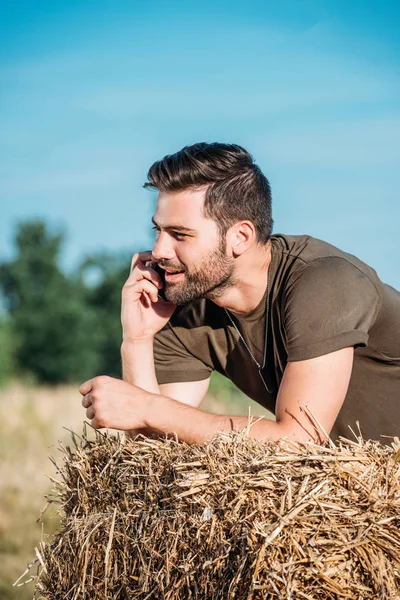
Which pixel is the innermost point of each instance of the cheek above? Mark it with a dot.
(185, 254)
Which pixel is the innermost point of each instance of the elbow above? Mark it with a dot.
(301, 434)
(294, 432)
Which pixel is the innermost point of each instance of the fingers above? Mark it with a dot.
(150, 290)
(87, 400)
(90, 413)
(86, 387)
(141, 257)
(145, 256)
(143, 286)
(90, 390)
(141, 268)
(95, 424)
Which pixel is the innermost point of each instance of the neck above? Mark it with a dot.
(251, 282)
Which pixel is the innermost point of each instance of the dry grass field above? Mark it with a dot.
(32, 421)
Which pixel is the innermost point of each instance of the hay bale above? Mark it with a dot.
(234, 519)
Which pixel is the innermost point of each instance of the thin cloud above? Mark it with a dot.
(64, 181)
(335, 143)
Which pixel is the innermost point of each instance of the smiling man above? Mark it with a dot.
(306, 330)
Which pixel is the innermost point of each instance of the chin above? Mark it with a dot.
(174, 296)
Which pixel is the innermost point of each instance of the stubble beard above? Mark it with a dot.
(210, 280)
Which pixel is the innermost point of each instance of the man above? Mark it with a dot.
(306, 330)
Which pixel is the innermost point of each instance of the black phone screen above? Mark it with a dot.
(161, 273)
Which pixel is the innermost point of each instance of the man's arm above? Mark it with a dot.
(316, 387)
(143, 314)
(310, 389)
(138, 369)
(138, 364)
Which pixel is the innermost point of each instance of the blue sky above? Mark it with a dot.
(92, 93)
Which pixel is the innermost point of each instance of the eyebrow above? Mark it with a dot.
(175, 227)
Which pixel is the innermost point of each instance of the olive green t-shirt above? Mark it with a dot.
(321, 300)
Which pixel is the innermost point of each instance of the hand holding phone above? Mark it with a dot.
(141, 314)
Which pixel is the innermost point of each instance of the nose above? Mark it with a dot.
(162, 248)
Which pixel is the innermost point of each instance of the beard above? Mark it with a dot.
(210, 279)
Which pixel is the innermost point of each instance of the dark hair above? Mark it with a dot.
(237, 189)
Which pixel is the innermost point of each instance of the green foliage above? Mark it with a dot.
(104, 299)
(63, 329)
(7, 351)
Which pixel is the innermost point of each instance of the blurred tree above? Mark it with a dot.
(56, 333)
(103, 276)
(7, 351)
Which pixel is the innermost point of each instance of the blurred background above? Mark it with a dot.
(91, 94)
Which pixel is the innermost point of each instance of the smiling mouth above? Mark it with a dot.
(173, 275)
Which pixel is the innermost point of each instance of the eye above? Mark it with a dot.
(175, 234)
(178, 236)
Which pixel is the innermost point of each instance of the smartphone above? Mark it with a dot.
(161, 273)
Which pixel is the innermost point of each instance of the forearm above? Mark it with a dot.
(195, 426)
(138, 365)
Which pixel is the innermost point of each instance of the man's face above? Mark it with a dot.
(190, 249)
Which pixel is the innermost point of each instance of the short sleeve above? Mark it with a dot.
(174, 362)
(330, 304)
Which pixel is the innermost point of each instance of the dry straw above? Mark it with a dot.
(234, 519)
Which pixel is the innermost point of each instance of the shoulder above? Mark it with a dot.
(329, 300)
(331, 284)
(306, 258)
(328, 297)
(334, 269)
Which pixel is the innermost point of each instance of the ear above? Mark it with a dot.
(240, 237)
